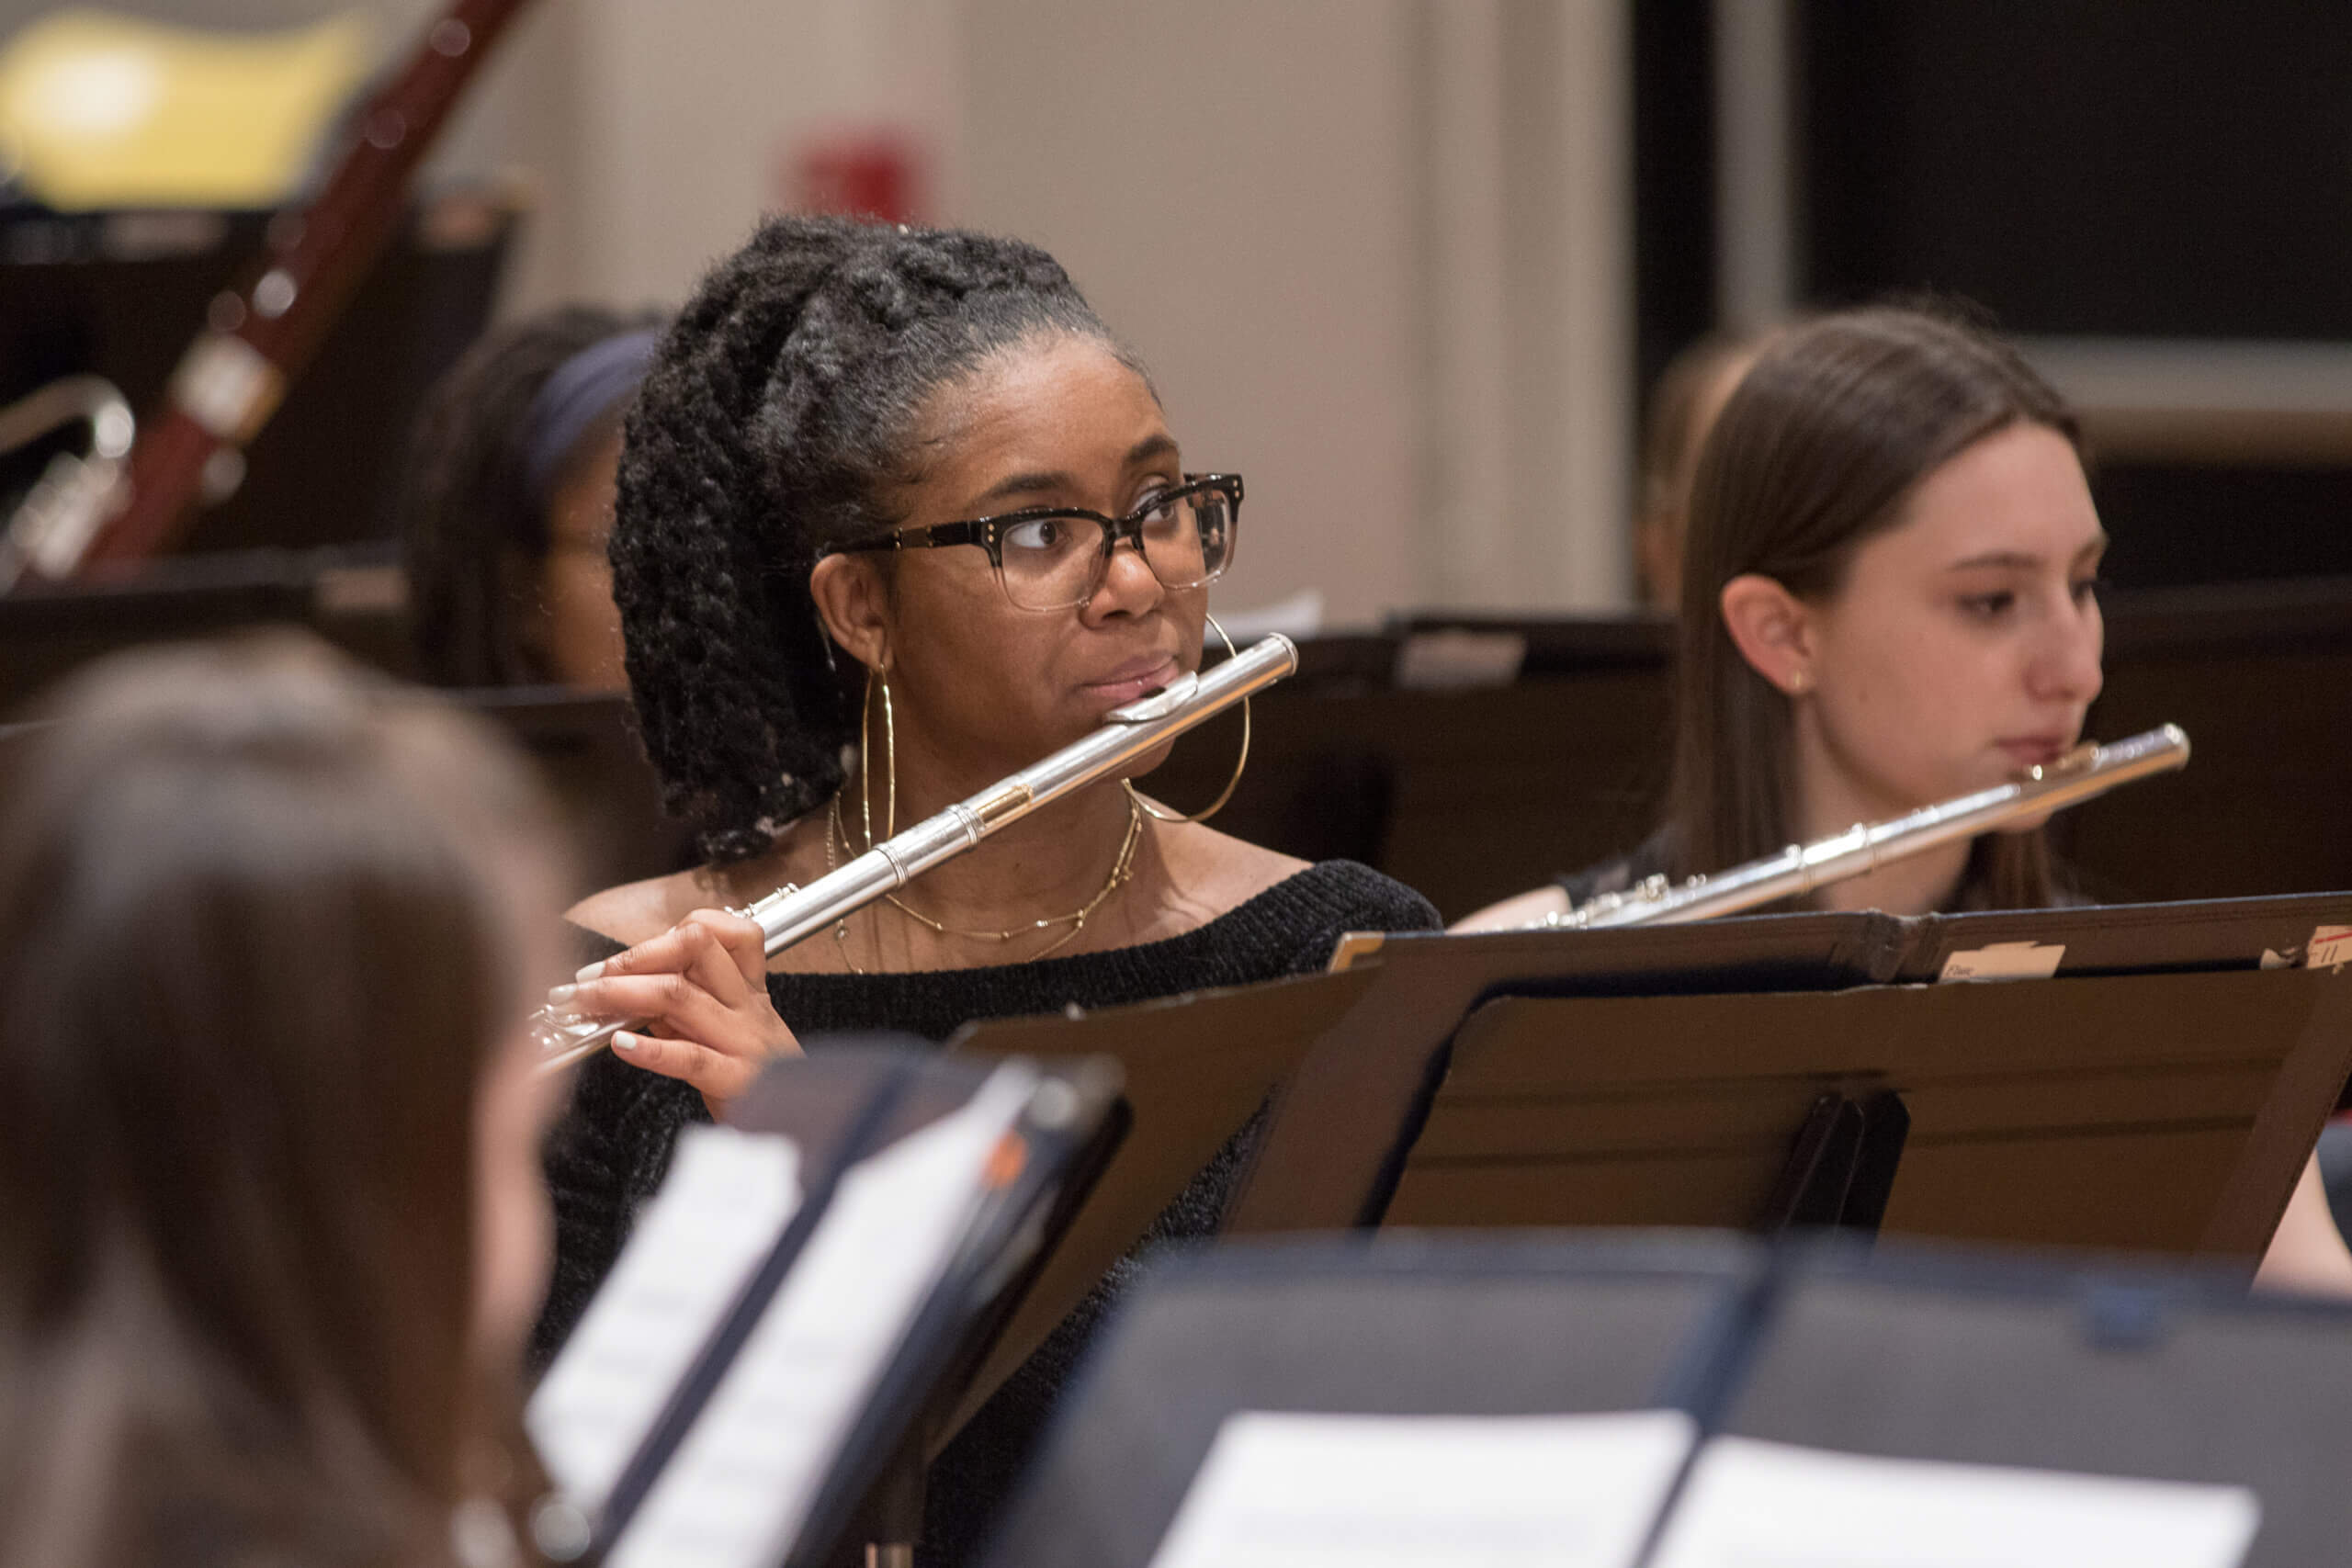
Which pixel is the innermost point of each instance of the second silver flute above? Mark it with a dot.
(2086, 771)
(791, 913)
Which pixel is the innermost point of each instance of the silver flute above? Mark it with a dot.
(792, 912)
(2086, 771)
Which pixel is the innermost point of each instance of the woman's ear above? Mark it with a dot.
(1773, 630)
(854, 607)
(522, 583)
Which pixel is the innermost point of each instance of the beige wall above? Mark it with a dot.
(1374, 250)
(691, 108)
(1389, 276)
(1228, 181)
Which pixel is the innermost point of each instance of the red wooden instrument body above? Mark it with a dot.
(259, 335)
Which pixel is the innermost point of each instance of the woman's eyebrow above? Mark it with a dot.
(1047, 481)
(1040, 483)
(2016, 559)
(1150, 446)
(2024, 560)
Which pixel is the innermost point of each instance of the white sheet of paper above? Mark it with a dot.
(727, 1197)
(1302, 1491)
(735, 1493)
(1757, 1504)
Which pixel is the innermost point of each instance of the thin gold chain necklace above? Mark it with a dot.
(1122, 871)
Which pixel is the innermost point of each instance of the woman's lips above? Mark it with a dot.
(1136, 678)
(2032, 751)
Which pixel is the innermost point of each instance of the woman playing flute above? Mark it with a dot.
(897, 516)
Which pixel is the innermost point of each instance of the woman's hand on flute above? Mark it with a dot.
(700, 989)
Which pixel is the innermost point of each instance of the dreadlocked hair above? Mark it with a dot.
(465, 516)
(783, 411)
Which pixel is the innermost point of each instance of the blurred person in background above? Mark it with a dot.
(508, 505)
(269, 934)
(1682, 408)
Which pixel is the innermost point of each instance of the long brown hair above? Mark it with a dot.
(1829, 432)
(252, 967)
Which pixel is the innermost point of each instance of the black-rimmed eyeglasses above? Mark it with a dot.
(1051, 557)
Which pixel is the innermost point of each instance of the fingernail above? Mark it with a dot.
(591, 971)
(561, 996)
(624, 1042)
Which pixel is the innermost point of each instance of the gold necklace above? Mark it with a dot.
(840, 922)
(1122, 870)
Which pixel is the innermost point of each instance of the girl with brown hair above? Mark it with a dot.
(1889, 599)
(275, 1231)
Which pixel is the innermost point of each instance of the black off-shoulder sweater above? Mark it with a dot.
(612, 1148)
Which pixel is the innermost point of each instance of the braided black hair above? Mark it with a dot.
(465, 510)
(782, 411)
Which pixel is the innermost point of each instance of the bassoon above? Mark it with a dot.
(260, 334)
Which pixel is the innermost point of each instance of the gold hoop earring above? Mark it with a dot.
(879, 678)
(1213, 806)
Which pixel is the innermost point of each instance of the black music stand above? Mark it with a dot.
(1744, 1073)
(1934, 1354)
(838, 1108)
(1344, 1124)
(47, 631)
(1418, 1325)
(872, 1510)
(2166, 1112)
(1195, 1070)
(120, 294)
(1903, 1351)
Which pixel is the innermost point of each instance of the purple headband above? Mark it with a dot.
(584, 389)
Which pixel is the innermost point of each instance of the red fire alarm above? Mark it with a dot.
(862, 174)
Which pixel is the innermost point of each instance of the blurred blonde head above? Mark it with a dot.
(1690, 393)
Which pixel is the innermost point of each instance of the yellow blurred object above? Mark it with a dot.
(98, 111)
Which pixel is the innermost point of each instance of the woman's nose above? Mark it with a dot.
(2068, 666)
(1128, 586)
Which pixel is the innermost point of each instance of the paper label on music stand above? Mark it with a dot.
(1749, 1503)
(2331, 947)
(1301, 1491)
(2004, 960)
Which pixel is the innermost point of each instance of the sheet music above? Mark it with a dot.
(735, 1492)
(1301, 1491)
(1757, 1504)
(727, 1197)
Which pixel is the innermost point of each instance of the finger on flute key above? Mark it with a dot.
(711, 945)
(669, 997)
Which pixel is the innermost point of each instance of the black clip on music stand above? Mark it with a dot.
(1842, 1168)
